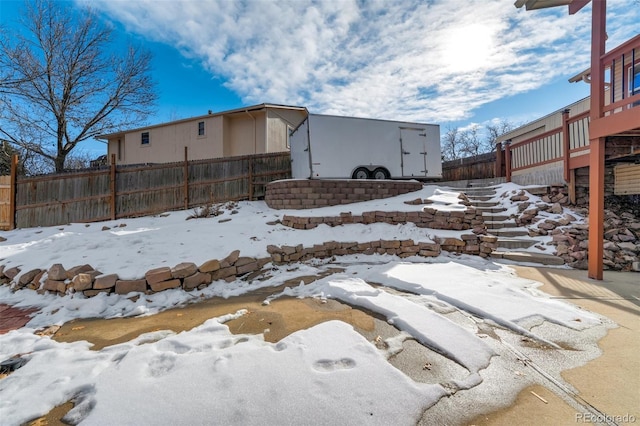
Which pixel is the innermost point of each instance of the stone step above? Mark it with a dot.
(514, 243)
(497, 217)
(499, 224)
(479, 191)
(479, 204)
(490, 210)
(509, 232)
(474, 198)
(522, 257)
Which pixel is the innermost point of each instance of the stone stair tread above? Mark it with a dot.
(480, 191)
(525, 256)
(484, 203)
(473, 198)
(491, 210)
(499, 225)
(509, 232)
(514, 243)
(495, 217)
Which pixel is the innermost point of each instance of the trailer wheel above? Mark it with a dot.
(380, 173)
(361, 173)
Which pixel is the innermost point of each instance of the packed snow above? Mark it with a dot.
(327, 374)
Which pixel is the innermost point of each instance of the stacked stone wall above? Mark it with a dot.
(427, 218)
(309, 193)
(188, 276)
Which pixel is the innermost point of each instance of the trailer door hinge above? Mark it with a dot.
(424, 153)
(422, 134)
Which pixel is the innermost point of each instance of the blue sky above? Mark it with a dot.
(456, 63)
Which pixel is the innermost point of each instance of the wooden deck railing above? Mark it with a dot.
(622, 70)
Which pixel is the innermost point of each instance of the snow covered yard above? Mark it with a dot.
(458, 328)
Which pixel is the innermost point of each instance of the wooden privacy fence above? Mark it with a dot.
(130, 191)
(478, 167)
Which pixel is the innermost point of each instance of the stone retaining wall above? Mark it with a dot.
(189, 276)
(427, 218)
(310, 193)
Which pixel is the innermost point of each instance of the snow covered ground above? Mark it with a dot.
(465, 310)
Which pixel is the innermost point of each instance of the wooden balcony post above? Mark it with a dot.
(507, 159)
(566, 145)
(597, 144)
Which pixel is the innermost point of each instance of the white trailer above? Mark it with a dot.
(332, 147)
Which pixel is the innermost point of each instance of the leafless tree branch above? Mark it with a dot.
(60, 87)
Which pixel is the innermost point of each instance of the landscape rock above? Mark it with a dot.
(82, 281)
(230, 259)
(27, 277)
(157, 275)
(57, 272)
(55, 286)
(103, 282)
(183, 270)
(77, 270)
(11, 273)
(128, 286)
(165, 285)
(210, 266)
(196, 280)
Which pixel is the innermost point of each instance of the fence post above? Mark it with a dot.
(112, 183)
(507, 159)
(499, 161)
(250, 178)
(12, 191)
(186, 179)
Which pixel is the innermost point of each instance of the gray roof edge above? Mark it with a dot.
(256, 107)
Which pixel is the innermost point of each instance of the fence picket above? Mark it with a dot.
(133, 191)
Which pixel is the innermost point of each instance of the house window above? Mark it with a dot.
(144, 139)
(201, 128)
(634, 79)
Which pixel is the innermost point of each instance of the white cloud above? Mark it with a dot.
(433, 61)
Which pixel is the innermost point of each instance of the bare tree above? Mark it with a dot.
(472, 141)
(6, 157)
(451, 144)
(496, 130)
(61, 85)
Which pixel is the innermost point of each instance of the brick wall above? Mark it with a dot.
(308, 193)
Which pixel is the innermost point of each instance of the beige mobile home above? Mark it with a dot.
(251, 130)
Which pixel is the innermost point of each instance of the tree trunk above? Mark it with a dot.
(59, 162)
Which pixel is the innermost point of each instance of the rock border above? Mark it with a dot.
(189, 276)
